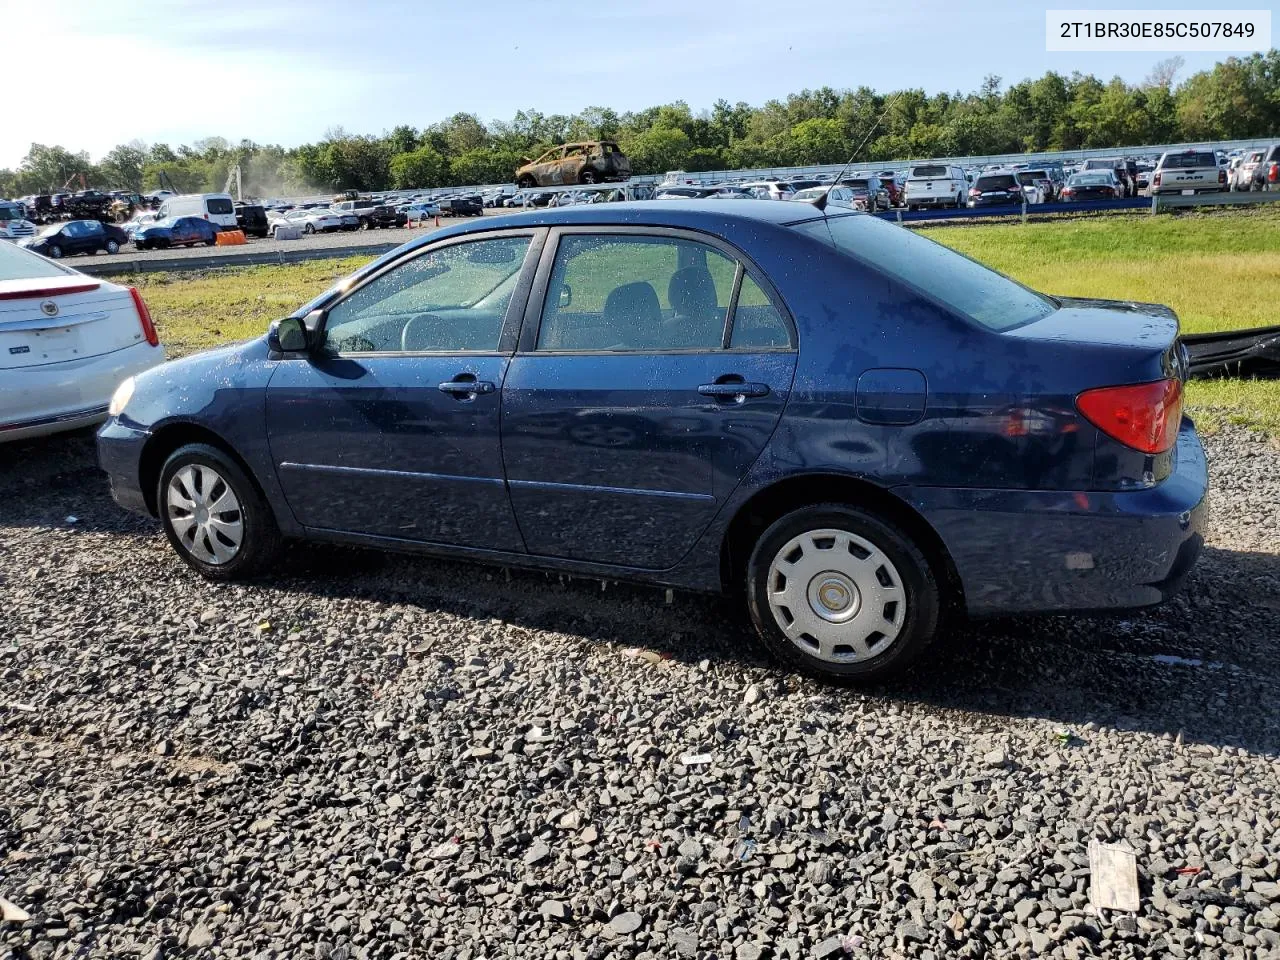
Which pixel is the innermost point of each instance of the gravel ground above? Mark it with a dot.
(393, 757)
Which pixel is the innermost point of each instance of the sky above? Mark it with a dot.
(276, 71)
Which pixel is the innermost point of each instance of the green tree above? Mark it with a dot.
(819, 140)
(419, 168)
(657, 150)
(123, 164)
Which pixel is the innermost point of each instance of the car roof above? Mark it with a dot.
(673, 213)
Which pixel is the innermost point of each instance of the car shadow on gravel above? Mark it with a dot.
(1202, 665)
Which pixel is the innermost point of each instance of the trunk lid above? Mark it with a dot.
(1135, 341)
(54, 319)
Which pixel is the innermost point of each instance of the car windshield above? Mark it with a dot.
(52, 230)
(11, 213)
(17, 264)
(965, 286)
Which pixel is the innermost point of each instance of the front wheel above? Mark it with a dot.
(113, 247)
(55, 252)
(214, 516)
(841, 594)
(587, 176)
(308, 228)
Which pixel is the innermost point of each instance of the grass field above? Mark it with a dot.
(1219, 270)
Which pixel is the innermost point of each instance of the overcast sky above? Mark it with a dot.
(284, 72)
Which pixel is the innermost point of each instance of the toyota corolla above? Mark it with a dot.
(857, 430)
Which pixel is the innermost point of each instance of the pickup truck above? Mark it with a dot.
(1188, 172)
(371, 213)
(14, 224)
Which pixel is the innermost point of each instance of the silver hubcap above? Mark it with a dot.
(205, 514)
(836, 596)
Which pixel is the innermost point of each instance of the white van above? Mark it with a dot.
(14, 224)
(935, 185)
(217, 208)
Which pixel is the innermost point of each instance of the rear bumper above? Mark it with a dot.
(53, 397)
(1029, 551)
(930, 200)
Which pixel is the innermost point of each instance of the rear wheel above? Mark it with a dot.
(588, 175)
(841, 594)
(213, 514)
(526, 181)
(55, 252)
(113, 247)
(308, 228)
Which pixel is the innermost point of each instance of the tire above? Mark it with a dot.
(587, 175)
(526, 182)
(55, 252)
(892, 568)
(211, 242)
(113, 247)
(308, 228)
(203, 476)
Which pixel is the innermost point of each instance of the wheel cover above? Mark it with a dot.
(836, 596)
(205, 514)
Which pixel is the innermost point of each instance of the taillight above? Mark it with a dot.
(144, 318)
(1155, 180)
(1144, 416)
(975, 192)
(1273, 172)
(1222, 176)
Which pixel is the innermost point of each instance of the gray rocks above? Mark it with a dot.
(421, 758)
(625, 923)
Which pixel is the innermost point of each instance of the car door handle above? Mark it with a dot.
(732, 391)
(466, 387)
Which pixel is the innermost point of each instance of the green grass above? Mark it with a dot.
(1219, 270)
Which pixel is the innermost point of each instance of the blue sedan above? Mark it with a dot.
(857, 430)
(176, 232)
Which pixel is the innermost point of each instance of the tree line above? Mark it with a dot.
(1235, 99)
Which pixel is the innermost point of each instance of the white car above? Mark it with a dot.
(769, 189)
(424, 210)
(935, 185)
(837, 196)
(67, 342)
(138, 221)
(315, 220)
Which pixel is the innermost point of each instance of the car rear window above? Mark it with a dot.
(1182, 161)
(952, 279)
(932, 170)
(219, 205)
(17, 264)
(857, 184)
(1004, 181)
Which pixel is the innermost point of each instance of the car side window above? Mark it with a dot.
(635, 294)
(757, 324)
(450, 300)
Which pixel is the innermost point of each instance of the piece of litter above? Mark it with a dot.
(70, 519)
(1186, 871)
(1171, 661)
(21, 707)
(1113, 877)
(12, 912)
(744, 848)
(693, 759)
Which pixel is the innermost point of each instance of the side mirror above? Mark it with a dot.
(288, 336)
(566, 296)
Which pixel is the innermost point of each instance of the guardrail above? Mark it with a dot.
(1174, 201)
(118, 265)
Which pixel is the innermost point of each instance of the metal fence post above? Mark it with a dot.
(1024, 209)
(1155, 204)
(899, 216)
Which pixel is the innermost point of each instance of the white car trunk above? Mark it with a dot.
(53, 319)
